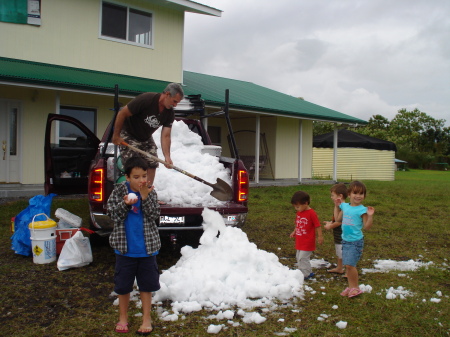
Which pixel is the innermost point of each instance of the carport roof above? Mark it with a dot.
(244, 96)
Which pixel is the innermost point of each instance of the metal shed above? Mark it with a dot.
(359, 157)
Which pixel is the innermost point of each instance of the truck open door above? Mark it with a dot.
(69, 150)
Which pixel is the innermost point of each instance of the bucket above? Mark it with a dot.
(43, 240)
(62, 235)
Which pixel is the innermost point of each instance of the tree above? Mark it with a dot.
(416, 131)
(378, 127)
(319, 128)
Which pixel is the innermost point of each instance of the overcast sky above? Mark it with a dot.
(358, 57)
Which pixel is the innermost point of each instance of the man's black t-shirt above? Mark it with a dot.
(146, 118)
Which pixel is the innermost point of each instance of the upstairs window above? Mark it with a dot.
(125, 24)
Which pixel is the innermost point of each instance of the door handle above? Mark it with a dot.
(4, 149)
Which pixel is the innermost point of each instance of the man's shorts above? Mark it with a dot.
(148, 146)
(351, 252)
(143, 269)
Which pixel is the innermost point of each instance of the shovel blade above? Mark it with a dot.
(221, 190)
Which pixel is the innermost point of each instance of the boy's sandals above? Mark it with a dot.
(335, 271)
(121, 328)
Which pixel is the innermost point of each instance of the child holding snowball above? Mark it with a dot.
(307, 227)
(133, 207)
(354, 217)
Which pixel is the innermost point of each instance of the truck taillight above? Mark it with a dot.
(96, 188)
(242, 185)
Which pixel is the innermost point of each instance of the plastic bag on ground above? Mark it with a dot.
(20, 240)
(75, 253)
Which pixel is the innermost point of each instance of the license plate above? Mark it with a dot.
(171, 219)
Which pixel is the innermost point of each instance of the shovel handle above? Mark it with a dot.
(167, 164)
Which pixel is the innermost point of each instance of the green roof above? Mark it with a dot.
(249, 96)
(44, 74)
(243, 95)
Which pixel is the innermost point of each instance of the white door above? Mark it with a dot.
(9, 141)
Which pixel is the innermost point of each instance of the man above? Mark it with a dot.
(139, 119)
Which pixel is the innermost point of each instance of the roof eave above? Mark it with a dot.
(195, 7)
(278, 113)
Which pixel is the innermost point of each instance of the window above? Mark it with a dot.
(126, 24)
(13, 131)
(69, 133)
(215, 135)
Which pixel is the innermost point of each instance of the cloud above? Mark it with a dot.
(358, 57)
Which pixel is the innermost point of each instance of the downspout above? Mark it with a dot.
(300, 151)
(257, 147)
(335, 148)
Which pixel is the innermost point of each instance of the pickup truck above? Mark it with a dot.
(77, 162)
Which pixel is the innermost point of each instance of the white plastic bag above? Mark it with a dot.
(75, 253)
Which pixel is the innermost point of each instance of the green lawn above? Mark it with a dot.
(411, 222)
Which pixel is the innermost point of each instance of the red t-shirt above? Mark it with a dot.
(305, 230)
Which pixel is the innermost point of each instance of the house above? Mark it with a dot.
(359, 157)
(66, 57)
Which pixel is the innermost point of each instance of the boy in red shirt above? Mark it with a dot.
(307, 227)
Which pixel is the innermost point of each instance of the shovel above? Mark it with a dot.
(221, 190)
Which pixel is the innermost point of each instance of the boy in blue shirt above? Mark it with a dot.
(136, 242)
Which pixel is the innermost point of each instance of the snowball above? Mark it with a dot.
(335, 307)
(365, 288)
(253, 317)
(132, 197)
(215, 328)
(435, 300)
(341, 324)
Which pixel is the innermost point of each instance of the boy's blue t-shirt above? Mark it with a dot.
(352, 221)
(134, 229)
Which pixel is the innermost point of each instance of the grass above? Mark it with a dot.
(411, 222)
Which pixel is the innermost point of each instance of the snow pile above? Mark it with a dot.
(387, 265)
(227, 271)
(400, 292)
(365, 288)
(186, 153)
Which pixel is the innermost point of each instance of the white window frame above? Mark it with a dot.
(150, 46)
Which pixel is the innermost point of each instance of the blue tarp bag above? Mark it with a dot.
(21, 242)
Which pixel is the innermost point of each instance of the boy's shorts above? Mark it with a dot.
(143, 269)
(149, 146)
(351, 252)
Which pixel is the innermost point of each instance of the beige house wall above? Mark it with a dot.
(354, 164)
(35, 105)
(287, 148)
(70, 36)
(282, 138)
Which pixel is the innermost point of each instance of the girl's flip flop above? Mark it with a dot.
(354, 292)
(123, 328)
